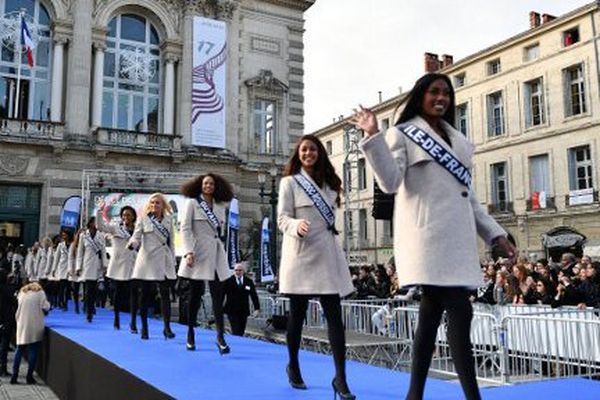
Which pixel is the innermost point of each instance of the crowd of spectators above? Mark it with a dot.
(381, 282)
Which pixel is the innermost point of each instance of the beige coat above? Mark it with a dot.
(156, 258)
(30, 316)
(50, 271)
(315, 263)
(88, 265)
(436, 219)
(60, 268)
(200, 237)
(122, 260)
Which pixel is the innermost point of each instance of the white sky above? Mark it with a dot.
(354, 48)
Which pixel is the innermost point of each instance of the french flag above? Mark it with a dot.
(27, 42)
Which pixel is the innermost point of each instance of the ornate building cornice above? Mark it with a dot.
(267, 82)
(13, 165)
(294, 4)
(218, 9)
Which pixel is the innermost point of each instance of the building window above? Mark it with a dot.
(362, 225)
(532, 52)
(462, 118)
(539, 181)
(131, 95)
(362, 174)
(574, 90)
(348, 223)
(385, 124)
(534, 103)
(34, 86)
(460, 80)
(388, 232)
(264, 126)
(493, 67)
(329, 147)
(495, 114)
(347, 181)
(570, 37)
(499, 185)
(580, 168)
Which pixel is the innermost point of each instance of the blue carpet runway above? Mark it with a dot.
(256, 369)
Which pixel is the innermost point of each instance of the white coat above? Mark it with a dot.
(199, 237)
(30, 316)
(72, 275)
(436, 219)
(50, 264)
(315, 263)
(30, 260)
(60, 268)
(122, 260)
(89, 265)
(156, 258)
(39, 265)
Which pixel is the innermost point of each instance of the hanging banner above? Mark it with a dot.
(233, 228)
(266, 269)
(209, 68)
(69, 215)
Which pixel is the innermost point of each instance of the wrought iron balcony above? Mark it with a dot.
(502, 207)
(137, 140)
(550, 204)
(29, 129)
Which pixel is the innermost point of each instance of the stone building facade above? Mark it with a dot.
(79, 113)
(531, 107)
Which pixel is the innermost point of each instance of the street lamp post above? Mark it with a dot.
(272, 195)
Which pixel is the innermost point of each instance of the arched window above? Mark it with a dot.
(131, 87)
(34, 84)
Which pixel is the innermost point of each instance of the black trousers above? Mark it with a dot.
(335, 330)
(196, 290)
(238, 323)
(123, 292)
(63, 289)
(90, 287)
(217, 295)
(434, 301)
(165, 302)
(75, 294)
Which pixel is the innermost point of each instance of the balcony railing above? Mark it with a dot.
(581, 197)
(31, 129)
(138, 140)
(501, 207)
(550, 204)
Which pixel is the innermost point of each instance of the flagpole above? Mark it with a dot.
(19, 56)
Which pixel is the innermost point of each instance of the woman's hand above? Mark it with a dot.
(303, 227)
(507, 248)
(366, 120)
(189, 259)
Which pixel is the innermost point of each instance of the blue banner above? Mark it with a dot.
(69, 215)
(266, 269)
(233, 228)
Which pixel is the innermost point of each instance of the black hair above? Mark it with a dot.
(223, 190)
(125, 208)
(414, 103)
(90, 221)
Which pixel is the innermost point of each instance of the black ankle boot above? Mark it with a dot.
(191, 340)
(168, 333)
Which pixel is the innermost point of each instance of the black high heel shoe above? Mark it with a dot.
(191, 341)
(341, 390)
(144, 334)
(168, 333)
(133, 329)
(295, 379)
(223, 348)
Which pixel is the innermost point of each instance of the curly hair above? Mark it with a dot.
(323, 171)
(223, 190)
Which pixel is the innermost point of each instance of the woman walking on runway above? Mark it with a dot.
(202, 220)
(312, 260)
(89, 267)
(155, 262)
(61, 267)
(427, 163)
(120, 265)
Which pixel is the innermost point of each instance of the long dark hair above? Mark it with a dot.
(323, 171)
(223, 190)
(131, 209)
(414, 102)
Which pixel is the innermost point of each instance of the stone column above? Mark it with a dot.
(79, 66)
(98, 78)
(169, 95)
(184, 98)
(57, 79)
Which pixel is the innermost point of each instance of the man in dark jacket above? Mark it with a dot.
(238, 288)
(8, 307)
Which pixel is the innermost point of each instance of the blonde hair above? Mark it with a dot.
(31, 287)
(166, 207)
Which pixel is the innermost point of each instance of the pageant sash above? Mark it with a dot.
(313, 193)
(125, 234)
(162, 230)
(92, 242)
(439, 154)
(212, 218)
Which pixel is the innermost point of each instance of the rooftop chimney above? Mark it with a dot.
(432, 63)
(534, 19)
(447, 60)
(547, 18)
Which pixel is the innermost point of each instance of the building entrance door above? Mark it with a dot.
(19, 213)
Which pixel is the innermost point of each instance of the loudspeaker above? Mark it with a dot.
(383, 204)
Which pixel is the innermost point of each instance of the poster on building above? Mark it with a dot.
(209, 69)
(266, 269)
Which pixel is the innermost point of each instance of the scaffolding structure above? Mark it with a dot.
(353, 243)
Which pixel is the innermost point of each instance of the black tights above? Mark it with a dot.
(455, 301)
(122, 289)
(335, 330)
(165, 302)
(90, 288)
